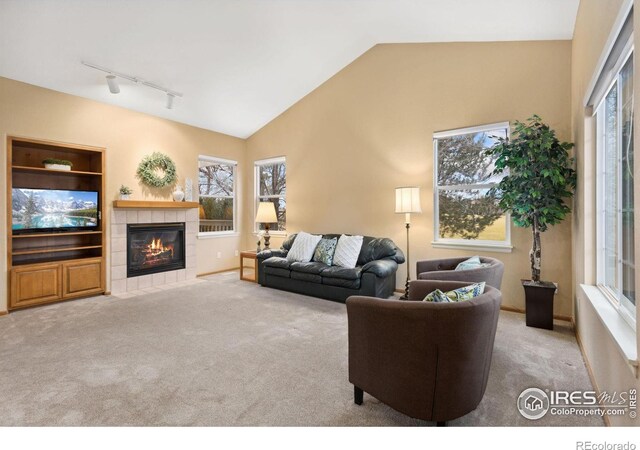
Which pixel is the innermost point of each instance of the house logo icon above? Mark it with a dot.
(533, 403)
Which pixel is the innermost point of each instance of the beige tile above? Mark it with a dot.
(132, 216)
(192, 215)
(157, 216)
(119, 244)
(181, 274)
(170, 216)
(191, 274)
(181, 216)
(158, 279)
(118, 259)
(118, 216)
(171, 277)
(119, 273)
(132, 284)
(119, 230)
(118, 286)
(145, 281)
(144, 216)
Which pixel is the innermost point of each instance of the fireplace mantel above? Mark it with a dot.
(153, 204)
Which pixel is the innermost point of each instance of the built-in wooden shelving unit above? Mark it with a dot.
(52, 266)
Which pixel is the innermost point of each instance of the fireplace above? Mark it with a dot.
(154, 248)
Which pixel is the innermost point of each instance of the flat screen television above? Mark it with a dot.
(51, 210)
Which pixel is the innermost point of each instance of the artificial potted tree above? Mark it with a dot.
(539, 179)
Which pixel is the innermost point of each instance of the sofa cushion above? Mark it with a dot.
(376, 248)
(325, 250)
(277, 261)
(277, 271)
(343, 273)
(341, 282)
(303, 247)
(313, 278)
(308, 267)
(288, 242)
(347, 251)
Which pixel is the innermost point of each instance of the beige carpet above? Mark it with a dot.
(226, 352)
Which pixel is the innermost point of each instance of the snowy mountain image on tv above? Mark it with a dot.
(35, 209)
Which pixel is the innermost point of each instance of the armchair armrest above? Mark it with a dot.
(418, 289)
(381, 267)
(265, 254)
(432, 265)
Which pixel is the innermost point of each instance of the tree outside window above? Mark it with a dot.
(216, 188)
(465, 209)
(271, 186)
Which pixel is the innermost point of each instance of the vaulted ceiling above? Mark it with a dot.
(239, 63)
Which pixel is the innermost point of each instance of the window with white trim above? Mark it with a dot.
(271, 186)
(217, 195)
(466, 213)
(615, 186)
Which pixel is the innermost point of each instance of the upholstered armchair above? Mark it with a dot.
(427, 360)
(443, 269)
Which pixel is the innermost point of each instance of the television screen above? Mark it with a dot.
(53, 209)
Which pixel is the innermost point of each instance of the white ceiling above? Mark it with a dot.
(239, 63)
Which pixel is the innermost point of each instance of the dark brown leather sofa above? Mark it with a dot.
(443, 269)
(427, 360)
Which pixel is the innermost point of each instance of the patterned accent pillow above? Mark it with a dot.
(303, 247)
(325, 250)
(471, 263)
(457, 295)
(347, 251)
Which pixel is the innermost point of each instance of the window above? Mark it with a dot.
(271, 186)
(217, 195)
(465, 212)
(616, 217)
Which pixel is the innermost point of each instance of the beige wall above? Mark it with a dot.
(369, 129)
(593, 25)
(30, 111)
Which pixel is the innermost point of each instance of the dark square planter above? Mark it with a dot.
(539, 303)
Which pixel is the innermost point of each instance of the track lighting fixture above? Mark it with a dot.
(170, 98)
(113, 84)
(114, 88)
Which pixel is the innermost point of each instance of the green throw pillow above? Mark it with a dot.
(325, 250)
(457, 295)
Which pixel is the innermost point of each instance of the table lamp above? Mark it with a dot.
(266, 214)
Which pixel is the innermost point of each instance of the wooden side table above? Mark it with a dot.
(249, 254)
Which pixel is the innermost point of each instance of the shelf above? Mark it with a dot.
(73, 233)
(57, 172)
(59, 249)
(154, 204)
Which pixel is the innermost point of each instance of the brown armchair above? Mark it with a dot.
(427, 360)
(443, 269)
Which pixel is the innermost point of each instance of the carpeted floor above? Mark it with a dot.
(228, 352)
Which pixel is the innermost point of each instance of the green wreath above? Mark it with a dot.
(157, 170)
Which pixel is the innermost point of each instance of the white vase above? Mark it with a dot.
(178, 194)
(125, 196)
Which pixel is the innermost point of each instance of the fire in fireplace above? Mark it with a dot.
(154, 248)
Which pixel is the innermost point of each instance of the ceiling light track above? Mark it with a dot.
(114, 88)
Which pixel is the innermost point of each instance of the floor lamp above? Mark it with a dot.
(407, 202)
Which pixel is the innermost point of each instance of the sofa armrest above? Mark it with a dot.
(382, 268)
(266, 254)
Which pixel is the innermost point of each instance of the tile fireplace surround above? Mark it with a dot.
(120, 217)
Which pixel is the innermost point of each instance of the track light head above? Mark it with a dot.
(113, 84)
(170, 98)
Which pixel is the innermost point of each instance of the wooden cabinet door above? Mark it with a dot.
(35, 284)
(82, 277)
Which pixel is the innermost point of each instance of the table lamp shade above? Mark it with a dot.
(408, 200)
(266, 213)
